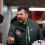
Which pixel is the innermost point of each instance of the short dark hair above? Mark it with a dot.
(23, 8)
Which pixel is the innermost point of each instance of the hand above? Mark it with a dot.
(10, 40)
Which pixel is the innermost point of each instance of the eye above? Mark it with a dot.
(21, 14)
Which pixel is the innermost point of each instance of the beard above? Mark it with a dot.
(22, 22)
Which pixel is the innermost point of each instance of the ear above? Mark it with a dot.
(26, 15)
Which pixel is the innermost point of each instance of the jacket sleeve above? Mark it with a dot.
(11, 34)
(40, 34)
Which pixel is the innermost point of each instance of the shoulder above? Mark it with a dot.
(15, 22)
(33, 23)
(12, 26)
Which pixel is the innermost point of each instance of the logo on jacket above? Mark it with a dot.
(18, 31)
(31, 30)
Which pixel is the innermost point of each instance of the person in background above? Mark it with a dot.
(1, 18)
(24, 31)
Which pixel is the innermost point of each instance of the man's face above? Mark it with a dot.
(22, 16)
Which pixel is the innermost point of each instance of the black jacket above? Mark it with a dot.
(25, 37)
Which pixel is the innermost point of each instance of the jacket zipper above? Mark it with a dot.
(28, 33)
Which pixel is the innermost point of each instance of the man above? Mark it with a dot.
(23, 30)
